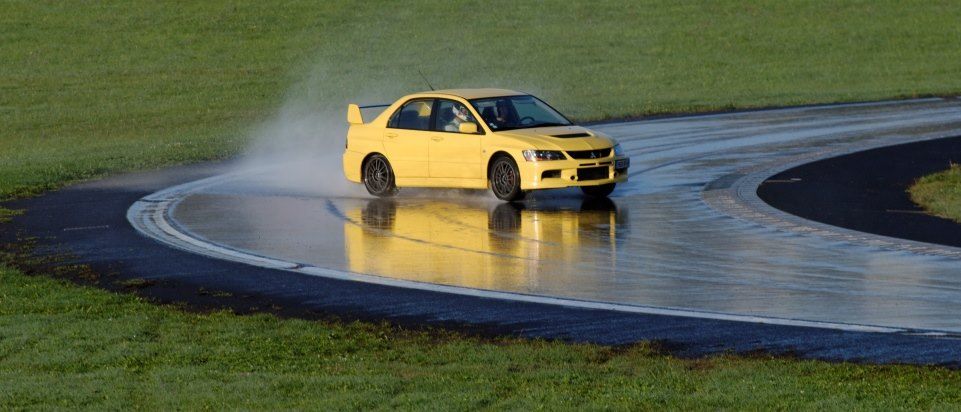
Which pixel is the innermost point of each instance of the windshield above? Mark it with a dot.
(517, 112)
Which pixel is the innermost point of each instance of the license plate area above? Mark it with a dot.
(593, 173)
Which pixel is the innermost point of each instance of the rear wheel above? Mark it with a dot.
(505, 179)
(599, 190)
(379, 177)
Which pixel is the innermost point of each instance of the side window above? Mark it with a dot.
(450, 115)
(414, 114)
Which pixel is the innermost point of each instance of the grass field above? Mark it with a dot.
(66, 346)
(92, 88)
(940, 193)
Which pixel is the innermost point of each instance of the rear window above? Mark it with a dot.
(414, 115)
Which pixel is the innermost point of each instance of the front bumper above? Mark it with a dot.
(557, 174)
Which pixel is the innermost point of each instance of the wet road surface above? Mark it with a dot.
(684, 234)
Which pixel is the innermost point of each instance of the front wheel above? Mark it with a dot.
(505, 179)
(379, 177)
(599, 190)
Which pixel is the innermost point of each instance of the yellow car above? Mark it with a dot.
(433, 139)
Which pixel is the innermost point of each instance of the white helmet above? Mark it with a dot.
(460, 112)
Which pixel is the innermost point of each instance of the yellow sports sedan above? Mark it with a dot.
(508, 141)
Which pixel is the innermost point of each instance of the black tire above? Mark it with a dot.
(379, 176)
(599, 190)
(505, 179)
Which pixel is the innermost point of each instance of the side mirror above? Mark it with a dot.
(467, 128)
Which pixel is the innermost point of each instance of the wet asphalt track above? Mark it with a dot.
(686, 236)
(685, 254)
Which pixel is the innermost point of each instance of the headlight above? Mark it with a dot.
(540, 155)
(618, 151)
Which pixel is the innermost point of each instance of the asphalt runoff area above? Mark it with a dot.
(684, 254)
(866, 191)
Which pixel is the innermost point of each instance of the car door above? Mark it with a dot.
(453, 154)
(406, 137)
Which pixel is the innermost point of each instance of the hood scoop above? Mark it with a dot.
(571, 135)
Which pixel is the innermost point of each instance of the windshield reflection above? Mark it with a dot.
(517, 112)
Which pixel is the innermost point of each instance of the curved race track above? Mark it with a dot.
(686, 236)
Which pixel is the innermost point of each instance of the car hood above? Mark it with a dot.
(560, 138)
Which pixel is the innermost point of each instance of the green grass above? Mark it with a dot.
(940, 193)
(91, 88)
(97, 87)
(7, 214)
(63, 345)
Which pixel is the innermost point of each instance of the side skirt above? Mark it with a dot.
(441, 182)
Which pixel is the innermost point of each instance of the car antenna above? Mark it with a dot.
(425, 80)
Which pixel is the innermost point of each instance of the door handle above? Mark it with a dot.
(391, 135)
(436, 138)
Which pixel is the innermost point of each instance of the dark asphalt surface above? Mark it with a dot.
(866, 191)
(86, 224)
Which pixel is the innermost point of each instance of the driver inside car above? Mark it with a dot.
(461, 115)
(504, 117)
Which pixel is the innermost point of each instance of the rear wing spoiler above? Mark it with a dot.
(354, 115)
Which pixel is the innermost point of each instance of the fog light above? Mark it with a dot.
(551, 174)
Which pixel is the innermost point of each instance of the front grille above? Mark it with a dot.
(592, 173)
(589, 154)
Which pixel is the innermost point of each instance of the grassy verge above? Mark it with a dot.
(7, 214)
(101, 87)
(940, 193)
(66, 345)
(87, 89)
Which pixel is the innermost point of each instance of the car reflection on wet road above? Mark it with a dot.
(482, 245)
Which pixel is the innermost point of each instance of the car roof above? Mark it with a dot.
(473, 93)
